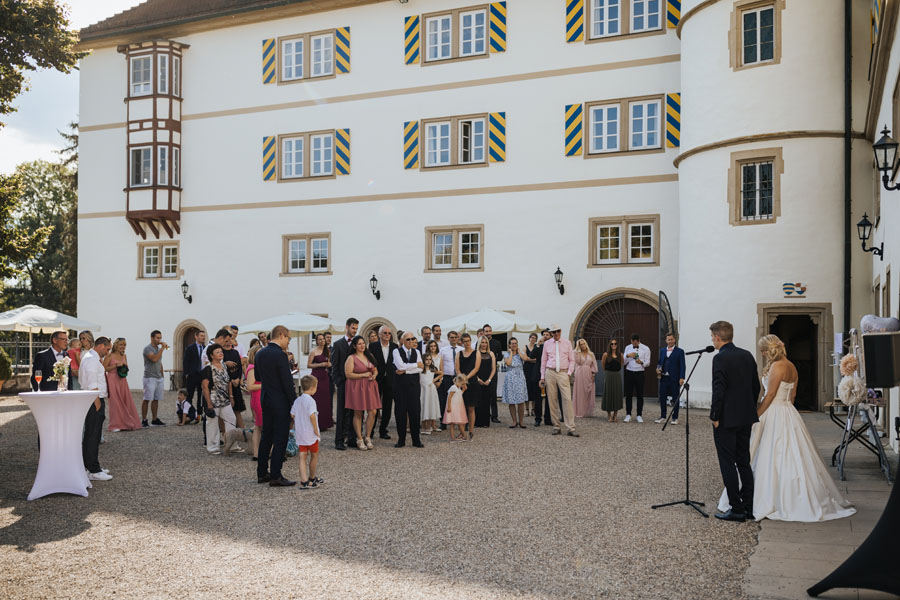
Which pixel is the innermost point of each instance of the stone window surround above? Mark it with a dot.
(179, 272)
(307, 55)
(624, 23)
(734, 183)
(309, 237)
(736, 35)
(623, 221)
(454, 35)
(456, 230)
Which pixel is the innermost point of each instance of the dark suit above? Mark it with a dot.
(273, 371)
(673, 370)
(190, 368)
(43, 362)
(735, 390)
(343, 421)
(497, 351)
(407, 407)
(385, 381)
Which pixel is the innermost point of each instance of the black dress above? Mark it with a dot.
(612, 385)
(235, 372)
(487, 394)
(470, 396)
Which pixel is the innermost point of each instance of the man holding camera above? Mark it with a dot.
(153, 378)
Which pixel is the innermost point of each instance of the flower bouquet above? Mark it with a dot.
(61, 373)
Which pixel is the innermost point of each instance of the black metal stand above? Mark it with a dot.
(685, 389)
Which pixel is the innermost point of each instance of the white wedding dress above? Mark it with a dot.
(791, 482)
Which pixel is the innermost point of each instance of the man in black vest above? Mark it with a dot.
(343, 422)
(407, 366)
(273, 371)
(383, 351)
(45, 359)
(735, 390)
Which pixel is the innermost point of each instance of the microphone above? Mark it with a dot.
(704, 350)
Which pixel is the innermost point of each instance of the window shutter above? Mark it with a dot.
(574, 20)
(673, 120)
(573, 129)
(497, 133)
(411, 145)
(342, 49)
(342, 151)
(268, 61)
(411, 40)
(269, 158)
(498, 27)
(673, 13)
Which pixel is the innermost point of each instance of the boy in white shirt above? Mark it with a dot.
(306, 432)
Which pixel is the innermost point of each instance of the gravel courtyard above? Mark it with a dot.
(514, 514)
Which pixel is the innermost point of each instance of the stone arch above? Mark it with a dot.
(375, 323)
(178, 346)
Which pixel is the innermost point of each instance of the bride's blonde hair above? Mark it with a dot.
(772, 349)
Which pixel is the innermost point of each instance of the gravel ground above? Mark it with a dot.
(514, 514)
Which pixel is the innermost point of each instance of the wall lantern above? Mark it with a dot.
(373, 283)
(886, 159)
(864, 229)
(184, 292)
(559, 284)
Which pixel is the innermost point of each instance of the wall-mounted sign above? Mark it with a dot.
(794, 290)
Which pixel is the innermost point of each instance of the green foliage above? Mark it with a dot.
(5, 366)
(48, 203)
(18, 242)
(33, 34)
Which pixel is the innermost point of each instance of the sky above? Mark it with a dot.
(51, 103)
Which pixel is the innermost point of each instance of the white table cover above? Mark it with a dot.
(60, 420)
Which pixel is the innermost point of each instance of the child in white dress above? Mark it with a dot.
(429, 379)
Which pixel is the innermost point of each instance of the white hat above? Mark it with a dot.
(554, 327)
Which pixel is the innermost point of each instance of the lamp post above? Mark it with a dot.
(864, 229)
(184, 292)
(886, 158)
(559, 284)
(373, 283)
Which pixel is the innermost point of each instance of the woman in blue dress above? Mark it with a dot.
(515, 394)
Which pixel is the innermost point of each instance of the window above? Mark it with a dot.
(605, 18)
(754, 194)
(758, 26)
(624, 125)
(605, 128)
(141, 81)
(646, 15)
(292, 59)
(141, 166)
(306, 253)
(176, 76)
(455, 248)
(472, 33)
(163, 85)
(437, 144)
(624, 241)
(612, 19)
(176, 167)
(455, 142)
(471, 141)
(322, 154)
(438, 40)
(322, 55)
(158, 261)
(162, 162)
(756, 191)
(645, 125)
(292, 158)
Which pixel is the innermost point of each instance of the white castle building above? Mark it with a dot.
(275, 155)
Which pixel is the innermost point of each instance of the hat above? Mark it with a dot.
(554, 327)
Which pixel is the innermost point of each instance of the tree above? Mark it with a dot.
(18, 244)
(33, 34)
(48, 203)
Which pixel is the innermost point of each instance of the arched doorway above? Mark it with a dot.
(616, 315)
(181, 339)
(373, 324)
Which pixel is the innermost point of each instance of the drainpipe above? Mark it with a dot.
(848, 117)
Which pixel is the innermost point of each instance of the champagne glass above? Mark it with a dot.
(38, 376)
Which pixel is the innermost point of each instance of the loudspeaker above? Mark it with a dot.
(882, 352)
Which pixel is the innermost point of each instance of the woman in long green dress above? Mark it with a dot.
(611, 363)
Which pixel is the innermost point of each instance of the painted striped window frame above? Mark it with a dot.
(310, 172)
(456, 34)
(626, 129)
(456, 146)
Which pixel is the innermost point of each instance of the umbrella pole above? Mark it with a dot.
(30, 348)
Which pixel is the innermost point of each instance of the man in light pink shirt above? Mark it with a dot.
(557, 365)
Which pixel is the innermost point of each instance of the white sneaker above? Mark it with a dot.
(627, 419)
(640, 419)
(674, 421)
(660, 420)
(101, 476)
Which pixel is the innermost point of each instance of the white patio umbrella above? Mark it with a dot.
(298, 324)
(499, 320)
(35, 319)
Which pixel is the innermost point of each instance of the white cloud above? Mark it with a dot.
(17, 146)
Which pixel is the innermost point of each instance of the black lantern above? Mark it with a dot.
(864, 230)
(184, 292)
(559, 284)
(373, 283)
(886, 158)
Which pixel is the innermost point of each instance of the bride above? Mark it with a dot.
(791, 482)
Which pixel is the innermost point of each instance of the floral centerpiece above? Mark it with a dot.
(61, 373)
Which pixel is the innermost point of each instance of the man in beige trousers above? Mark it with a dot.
(557, 365)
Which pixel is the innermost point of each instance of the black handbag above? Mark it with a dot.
(122, 371)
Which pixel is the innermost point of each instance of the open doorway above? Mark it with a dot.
(800, 335)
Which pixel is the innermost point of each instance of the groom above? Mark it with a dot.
(735, 390)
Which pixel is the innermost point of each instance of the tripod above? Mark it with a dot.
(686, 390)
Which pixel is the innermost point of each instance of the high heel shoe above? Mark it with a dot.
(369, 443)
(361, 444)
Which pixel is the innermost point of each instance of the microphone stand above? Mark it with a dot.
(685, 389)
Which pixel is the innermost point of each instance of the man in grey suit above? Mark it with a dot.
(343, 426)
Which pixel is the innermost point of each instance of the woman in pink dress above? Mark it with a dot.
(122, 412)
(255, 389)
(585, 369)
(320, 362)
(361, 390)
